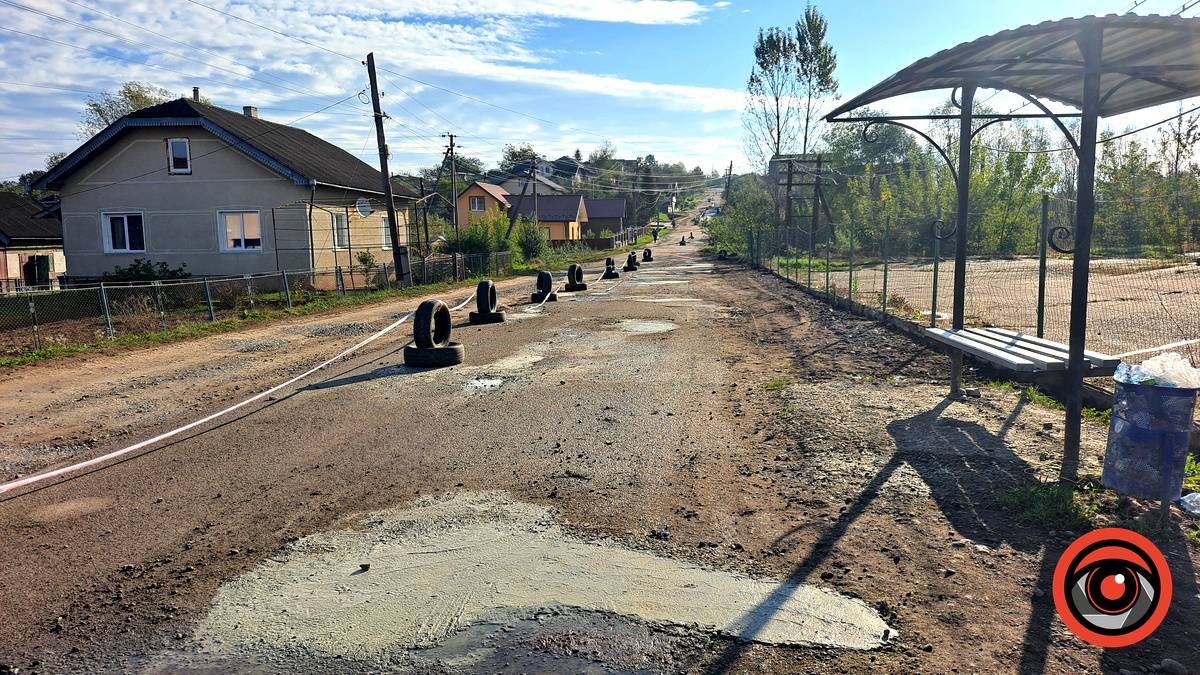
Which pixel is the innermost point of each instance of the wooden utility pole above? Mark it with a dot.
(399, 252)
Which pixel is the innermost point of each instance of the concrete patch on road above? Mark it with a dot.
(485, 384)
(447, 563)
(670, 300)
(646, 326)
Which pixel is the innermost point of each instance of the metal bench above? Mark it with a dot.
(1019, 352)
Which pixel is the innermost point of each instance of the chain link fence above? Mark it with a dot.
(85, 314)
(1141, 298)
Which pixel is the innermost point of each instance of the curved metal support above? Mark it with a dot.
(869, 138)
(988, 124)
(954, 98)
(1053, 118)
(1061, 234)
(936, 226)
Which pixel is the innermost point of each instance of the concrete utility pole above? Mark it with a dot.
(399, 252)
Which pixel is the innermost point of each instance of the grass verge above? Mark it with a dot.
(1048, 505)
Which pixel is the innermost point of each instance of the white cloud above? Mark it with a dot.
(616, 11)
(489, 50)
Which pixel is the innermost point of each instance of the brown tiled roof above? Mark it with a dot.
(292, 152)
(17, 221)
(498, 193)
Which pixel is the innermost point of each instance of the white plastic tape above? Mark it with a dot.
(5, 487)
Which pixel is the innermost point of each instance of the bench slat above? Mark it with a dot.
(1095, 358)
(983, 351)
(1046, 359)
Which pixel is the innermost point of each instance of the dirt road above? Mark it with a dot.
(698, 418)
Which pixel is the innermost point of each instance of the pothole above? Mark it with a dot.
(646, 326)
(445, 564)
(484, 384)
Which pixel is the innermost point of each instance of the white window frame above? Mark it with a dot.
(471, 201)
(223, 233)
(385, 233)
(333, 221)
(187, 150)
(106, 225)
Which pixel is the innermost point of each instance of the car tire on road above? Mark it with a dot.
(434, 357)
(431, 325)
(477, 318)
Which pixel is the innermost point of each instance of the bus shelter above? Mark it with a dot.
(1099, 65)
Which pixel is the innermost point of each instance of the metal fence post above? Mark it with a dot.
(937, 255)
(250, 290)
(158, 300)
(212, 313)
(850, 278)
(1042, 241)
(887, 234)
(108, 326)
(828, 260)
(287, 290)
(37, 338)
(339, 281)
(811, 250)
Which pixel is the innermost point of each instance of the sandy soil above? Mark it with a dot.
(764, 435)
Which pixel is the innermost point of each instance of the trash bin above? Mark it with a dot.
(1148, 436)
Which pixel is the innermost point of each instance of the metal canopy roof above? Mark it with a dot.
(1146, 60)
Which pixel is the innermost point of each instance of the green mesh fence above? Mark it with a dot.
(1143, 295)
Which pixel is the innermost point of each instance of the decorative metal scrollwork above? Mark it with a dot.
(1058, 235)
(869, 136)
(937, 230)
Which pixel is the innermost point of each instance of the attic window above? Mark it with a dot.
(179, 156)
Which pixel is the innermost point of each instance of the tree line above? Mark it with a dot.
(1147, 192)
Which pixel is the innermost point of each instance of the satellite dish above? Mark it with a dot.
(363, 206)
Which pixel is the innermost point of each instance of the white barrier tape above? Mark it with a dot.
(464, 302)
(1158, 349)
(5, 487)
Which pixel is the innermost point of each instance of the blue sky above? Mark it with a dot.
(651, 76)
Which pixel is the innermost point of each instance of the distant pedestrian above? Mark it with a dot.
(654, 233)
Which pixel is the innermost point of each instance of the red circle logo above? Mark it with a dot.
(1112, 587)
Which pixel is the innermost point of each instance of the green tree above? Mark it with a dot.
(772, 102)
(515, 154)
(531, 239)
(815, 63)
(101, 111)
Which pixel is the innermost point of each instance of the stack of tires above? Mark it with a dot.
(545, 288)
(485, 303)
(610, 270)
(575, 279)
(432, 347)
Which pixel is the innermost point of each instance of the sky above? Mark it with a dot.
(661, 77)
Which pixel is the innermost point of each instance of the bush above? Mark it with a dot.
(144, 270)
(530, 239)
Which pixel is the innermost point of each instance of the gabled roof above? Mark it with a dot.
(293, 153)
(605, 208)
(498, 193)
(1146, 60)
(556, 208)
(504, 178)
(17, 220)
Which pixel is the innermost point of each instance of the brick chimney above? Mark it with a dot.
(250, 111)
(196, 94)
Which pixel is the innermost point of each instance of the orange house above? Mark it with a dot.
(478, 199)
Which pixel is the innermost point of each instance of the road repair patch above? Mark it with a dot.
(410, 579)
